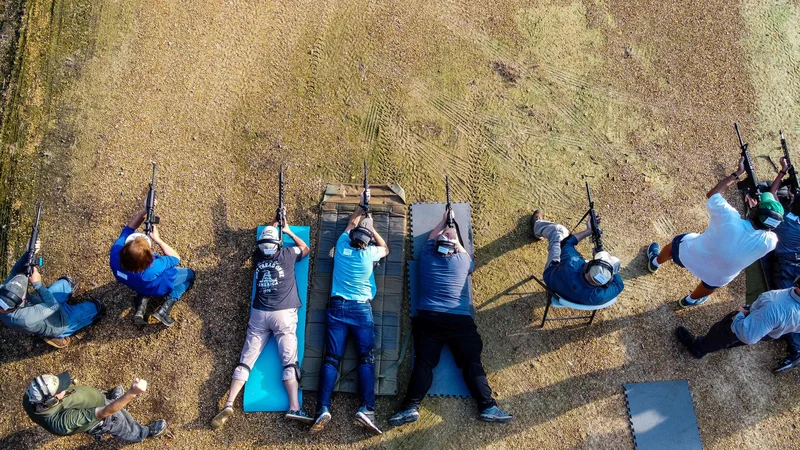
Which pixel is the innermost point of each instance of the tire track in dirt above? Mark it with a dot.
(318, 51)
(664, 227)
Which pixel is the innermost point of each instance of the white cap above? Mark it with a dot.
(271, 233)
(133, 236)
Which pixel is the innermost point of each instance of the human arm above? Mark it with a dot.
(112, 408)
(581, 235)
(437, 230)
(605, 293)
(304, 248)
(168, 251)
(727, 181)
(137, 219)
(38, 311)
(381, 249)
(355, 218)
(776, 183)
(753, 325)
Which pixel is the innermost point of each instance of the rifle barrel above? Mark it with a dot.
(738, 134)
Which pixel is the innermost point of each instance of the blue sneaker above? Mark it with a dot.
(688, 302)
(652, 253)
(323, 418)
(404, 417)
(495, 415)
(365, 418)
(300, 416)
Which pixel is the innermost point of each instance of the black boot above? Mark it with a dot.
(162, 315)
(141, 310)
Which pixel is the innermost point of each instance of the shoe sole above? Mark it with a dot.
(405, 420)
(159, 433)
(139, 321)
(305, 420)
(320, 424)
(651, 268)
(219, 420)
(787, 367)
(364, 422)
(687, 305)
(160, 319)
(496, 419)
(52, 343)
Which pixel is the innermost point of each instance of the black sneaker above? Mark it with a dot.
(157, 428)
(789, 363)
(686, 338)
(537, 215)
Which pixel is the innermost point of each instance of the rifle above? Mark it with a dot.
(451, 219)
(793, 182)
(365, 206)
(150, 206)
(596, 232)
(281, 213)
(32, 260)
(749, 185)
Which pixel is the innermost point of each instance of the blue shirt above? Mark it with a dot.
(444, 281)
(156, 280)
(788, 235)
(566, 278)
(773, 314)
(353, 277)
(43, 316)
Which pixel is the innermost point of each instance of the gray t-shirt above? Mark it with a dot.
(444, 281)
(276, 287)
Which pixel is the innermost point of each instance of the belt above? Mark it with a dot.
(342, 299)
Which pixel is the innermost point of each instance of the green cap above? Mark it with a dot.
(768, 202)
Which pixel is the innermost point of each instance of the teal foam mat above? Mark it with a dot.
(264, 390)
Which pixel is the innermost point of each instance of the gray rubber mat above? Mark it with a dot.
(447, 378)
(389, 218)
(662, 416)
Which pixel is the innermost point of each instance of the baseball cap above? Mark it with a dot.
(12, 293)
(601, 268)
(268, 240)
(133, 236)
(362, 232)
(46, 386)
(769, 203)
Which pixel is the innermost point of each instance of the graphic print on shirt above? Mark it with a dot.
(271, 273)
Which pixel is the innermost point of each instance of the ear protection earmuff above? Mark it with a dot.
(771, 218)
(601, 263)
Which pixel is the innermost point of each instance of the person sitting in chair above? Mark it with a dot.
(566, 273)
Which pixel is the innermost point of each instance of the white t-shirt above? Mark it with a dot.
(727, 246)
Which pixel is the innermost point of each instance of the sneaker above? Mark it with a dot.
(322, 419)
(58, 342)
(537, 215)
(495, 415)
(223, 416)
(688, 340)
(157, 428)
(688, 301)
(299, 415)
(366, 419)
(115, 393)
(652, 253)
(789, 363)
(404, 417)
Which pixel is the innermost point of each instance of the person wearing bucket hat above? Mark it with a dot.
(136, 265)
(273, 313)
(45, 312)
(592, 282)
(728, 245)
(64, 409)
(349, 313)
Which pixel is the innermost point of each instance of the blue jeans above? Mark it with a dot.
(182, 284)
(78, 316)
(346, 317)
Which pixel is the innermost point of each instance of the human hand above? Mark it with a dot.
(35, 277)
(36, 247)
(751, 202)
(743, 310)
(154, 234)
(139, 386)
(784, 164)
(740, 171)
(365, 196)
(155, 203)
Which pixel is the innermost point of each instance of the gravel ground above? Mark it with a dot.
(519, 102)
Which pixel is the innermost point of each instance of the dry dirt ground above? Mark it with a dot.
(518, 101)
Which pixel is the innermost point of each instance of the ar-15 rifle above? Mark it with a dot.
(150, 206)
(280, 214)
(365, 206)
(597, 233)
(33, 261)
(792, 182)
(451, 217)
(750, 185)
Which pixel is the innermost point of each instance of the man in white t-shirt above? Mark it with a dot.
(728, 245)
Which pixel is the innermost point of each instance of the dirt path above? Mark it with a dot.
(519, 102)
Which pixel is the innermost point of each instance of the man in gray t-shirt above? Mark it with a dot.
(444, 316)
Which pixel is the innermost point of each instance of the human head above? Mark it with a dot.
(44, 389)
(600, 270)
(361, 236)
(269, 242)
(447, 241)
(136, 255)
(12, 294)
(768, 213)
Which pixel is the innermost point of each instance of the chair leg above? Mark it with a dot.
(592, 318)
(546, 310)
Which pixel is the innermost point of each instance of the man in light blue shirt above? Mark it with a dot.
(350, 313)
(772, 315)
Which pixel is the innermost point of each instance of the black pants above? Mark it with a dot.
(122, 426)
(431, 331)
(720, 337)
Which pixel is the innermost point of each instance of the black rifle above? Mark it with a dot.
(793, 182)
(451, 217)
(32, 260)
(750, 185)
(150, 206)
(280, 215)
(597, 233)
(365, 206)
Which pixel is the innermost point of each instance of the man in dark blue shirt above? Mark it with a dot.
(444, 316)
(568, 274)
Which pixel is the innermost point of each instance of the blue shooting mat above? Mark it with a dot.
(662, 416)
(447, 378)
(264, 390)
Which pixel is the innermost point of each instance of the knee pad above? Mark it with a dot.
(332, 360)
(291, 368)
(366, 358)
(241, 372)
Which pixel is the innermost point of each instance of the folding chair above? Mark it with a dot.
(556, 301)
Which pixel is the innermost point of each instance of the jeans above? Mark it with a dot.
(348, 317)
(122, 426)
(720, 336)
(431, 331)
(183, 282)
(78, 316)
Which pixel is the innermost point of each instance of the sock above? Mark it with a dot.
(655, 263)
